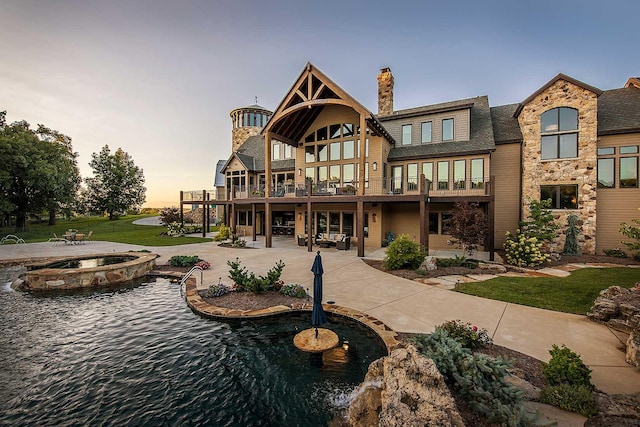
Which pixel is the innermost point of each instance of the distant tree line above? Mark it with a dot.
(39, 175)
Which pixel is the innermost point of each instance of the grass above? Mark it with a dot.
(121, 231)
(573, 294)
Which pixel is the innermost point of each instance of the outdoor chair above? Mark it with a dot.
(55, 239)
(87, 237)
(343, 244)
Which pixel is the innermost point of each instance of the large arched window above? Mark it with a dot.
(559, 130)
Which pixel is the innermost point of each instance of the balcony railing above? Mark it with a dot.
(389, 186)
(196, 195)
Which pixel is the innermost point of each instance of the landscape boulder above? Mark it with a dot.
(404, 389)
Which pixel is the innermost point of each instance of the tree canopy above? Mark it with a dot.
(38, 171)
(117, 184)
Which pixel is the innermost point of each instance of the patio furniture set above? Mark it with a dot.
(342, 242)
(71, 237)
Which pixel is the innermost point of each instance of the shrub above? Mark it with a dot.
(566, 367)
(478, 378)
(247, 281)
(632, 232)
(223, 233)
(170, 215)
(466, 334)
(458, 261)
(404, 253)
(571, 241)
(524, 251)
(615, 252)
(183, 260)
(571, 398)
(468, 226)
(239, 243)
(216, 291)
(293, 290)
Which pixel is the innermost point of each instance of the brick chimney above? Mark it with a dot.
(385, 92)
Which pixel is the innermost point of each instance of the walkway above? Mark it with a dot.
(404, 305)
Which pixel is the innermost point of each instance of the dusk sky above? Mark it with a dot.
(159, 78)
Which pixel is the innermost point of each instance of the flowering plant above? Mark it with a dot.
(468, 335)
(216, 291)
(524, 251)
(205, 265)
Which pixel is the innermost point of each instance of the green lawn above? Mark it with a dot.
(573, 294)
(121, 230)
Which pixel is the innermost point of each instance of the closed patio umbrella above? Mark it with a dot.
(318, 316)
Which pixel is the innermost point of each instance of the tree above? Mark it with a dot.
(117, 184)
(540, 223)
(37, 170)
(468, 225)
(571, 242)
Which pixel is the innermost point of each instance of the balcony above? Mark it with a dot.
(373, 187)
(196, 195)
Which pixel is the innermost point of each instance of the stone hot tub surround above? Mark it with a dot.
(137, 266)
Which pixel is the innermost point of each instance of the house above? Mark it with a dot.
(336, 167)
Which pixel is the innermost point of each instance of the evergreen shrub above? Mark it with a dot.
(404, 253)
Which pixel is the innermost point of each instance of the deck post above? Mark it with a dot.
(267, 224)
(204, 213)
(253, 221)
(360, 220)
(232, 214)
(181, 208)
(491, 214)
(363, 155)
(423, 213)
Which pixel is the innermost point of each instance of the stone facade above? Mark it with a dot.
(385, 92)
(580, 171)
(240, 135)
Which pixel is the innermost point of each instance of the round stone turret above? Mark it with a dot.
(247, 121)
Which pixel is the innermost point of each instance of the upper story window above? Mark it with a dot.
(447, 129)
(406, 134)
(426, 132)
(559, 130)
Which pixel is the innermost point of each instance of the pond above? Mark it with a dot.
(138, 356)
(85, 262)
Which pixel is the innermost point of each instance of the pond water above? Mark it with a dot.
(86, 263)
(139, 356)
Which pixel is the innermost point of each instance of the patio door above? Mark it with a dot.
(396, 179)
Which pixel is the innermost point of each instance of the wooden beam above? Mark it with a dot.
(490, 244)
(360, 221)
(363, 157)
(309, 227)
(181, 208)
(423, 213)
(267, 165)
(284, 139)
(302, 95)
(267, 225)
(317, 93)
(204, 213)
(253, 221)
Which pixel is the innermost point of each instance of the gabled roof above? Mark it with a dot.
(305, 100)
(480, 138)
(506, 128)
(218, 180)
(251, 155)
(619, 111)
(552, 81)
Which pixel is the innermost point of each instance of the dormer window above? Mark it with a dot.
(559, 131)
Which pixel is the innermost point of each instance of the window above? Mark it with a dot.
(629, 149)
(562, 196)
(334, 131)
(447, 129)
(242, 218)
(628, 172)
(288, 152)
(322, 153)
(348, 173)
(334, 173)
(477, 173)
(412, 176)
(322, 134)
(366, 148)
(349, 150)
(443, 175)
(309, 173)
(606, 151)
(276, 152)
(427, 171)
(606, 173)
(322, 173)
(334, 152)
(426, 132)
(311, 137)
(559, 129)
(406, 134)
(310, 154)
(347, 130)
(459, 174)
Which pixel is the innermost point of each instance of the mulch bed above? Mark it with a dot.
(251, 301)
(412, 274)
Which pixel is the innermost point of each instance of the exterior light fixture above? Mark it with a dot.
(299, 171)
(375, 166)
(374, 217)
